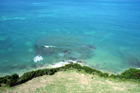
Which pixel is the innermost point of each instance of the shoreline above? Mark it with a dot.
(69, 80)
(63, 63)
(131, 74)
(57, 64)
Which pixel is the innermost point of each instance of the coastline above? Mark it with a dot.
(73, 81)
(63, 63)
(131, 74)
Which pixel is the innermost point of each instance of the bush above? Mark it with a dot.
(112, 76)
(9, 80)
(61, 68)
(105, 74)
(11, 83)
(101, 74)
(98, 72)
(38, 73)
(13, 80)
(56, 69)
(4, 79)
(14, 77)
(121, 76)
(131, 73)
(45, 71)
(52, 71)
(68, 66)
(26, 76)
(29, 75)
(88, 69)
(77, 66)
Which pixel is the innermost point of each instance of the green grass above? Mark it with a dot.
(72, 81)
(13, 80)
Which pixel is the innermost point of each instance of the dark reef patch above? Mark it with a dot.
(66, 47)
(42, 50)
(65, 53)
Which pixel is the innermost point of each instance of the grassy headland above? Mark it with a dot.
(71, 78)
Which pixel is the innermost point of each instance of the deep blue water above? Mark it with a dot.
(75, 29)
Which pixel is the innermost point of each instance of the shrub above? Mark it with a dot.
(63, 67)
(13, 80)
(45, 71)
(101, 74)
(119, 76)
(112, 76)
(87, 69)
(52, 71)
(11, 83)
(98, 72)
(105, 74)
(38, 73)
(2, 80)
(14, 76)
(56, 69)
(29, 75)
(26, 76)
(9, 80)
(131, 73)
(77, 66)
(94, 70)
(68, 66)
(5, 79)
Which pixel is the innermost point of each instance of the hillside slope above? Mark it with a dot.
(71, 81)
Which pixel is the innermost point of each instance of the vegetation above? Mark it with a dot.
(14, 79)
(131, 74)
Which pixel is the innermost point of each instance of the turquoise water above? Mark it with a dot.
(103, 35)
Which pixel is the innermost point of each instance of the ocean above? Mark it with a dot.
(104, 35)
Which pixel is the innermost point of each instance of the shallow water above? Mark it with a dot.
(104, 35)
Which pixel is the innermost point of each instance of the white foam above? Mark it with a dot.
(48, 46)
(138, 68)
(61, 54)
(38, 58)
(59, 64)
